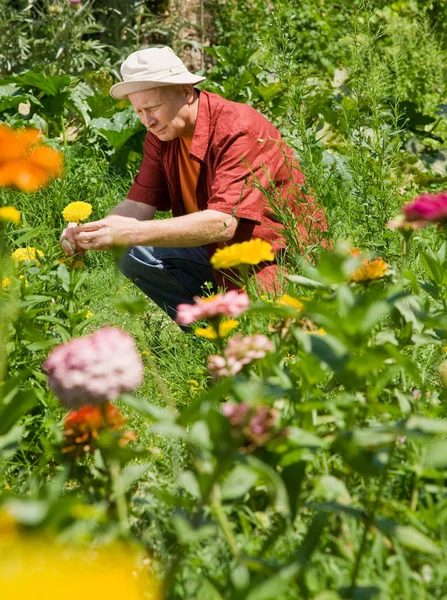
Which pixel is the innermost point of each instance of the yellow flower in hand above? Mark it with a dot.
(77, 211)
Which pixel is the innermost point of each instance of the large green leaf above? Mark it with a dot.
(118, 129)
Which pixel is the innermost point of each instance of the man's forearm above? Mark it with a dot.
(195, 229)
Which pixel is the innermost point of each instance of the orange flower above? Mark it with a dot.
(82, 427)
(23, 162)
(373, 269)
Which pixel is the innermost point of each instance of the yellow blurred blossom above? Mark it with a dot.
(9, 213)
(319, 331)
(89, 314)
(6, 281)
(290, 301)
(247, 253)
(43, 569)
(29, 254)
(77, 211)
(211, 334)
(373, 269)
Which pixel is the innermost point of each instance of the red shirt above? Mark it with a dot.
(240, 153)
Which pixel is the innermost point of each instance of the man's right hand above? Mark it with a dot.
(68, 242)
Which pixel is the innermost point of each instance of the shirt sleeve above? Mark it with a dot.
(150, 185)
(241, 173)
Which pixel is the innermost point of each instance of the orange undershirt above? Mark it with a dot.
(189, 174)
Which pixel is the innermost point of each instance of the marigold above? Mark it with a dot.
(29, 254)
(9, 213)
(247, 253)
(24, 162)
(77, 211)
(374, 269)
(82, 427)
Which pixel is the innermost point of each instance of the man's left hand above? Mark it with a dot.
(114, 230)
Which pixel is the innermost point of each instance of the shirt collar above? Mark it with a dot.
(201, 137)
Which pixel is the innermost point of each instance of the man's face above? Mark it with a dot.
(165, 111)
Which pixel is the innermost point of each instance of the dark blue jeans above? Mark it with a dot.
(169, 276)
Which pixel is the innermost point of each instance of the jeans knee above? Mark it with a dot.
(126, 264)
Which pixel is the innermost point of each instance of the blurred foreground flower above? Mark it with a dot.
(290, 301)
(77, 211)
(370, 270)
(230, 304)
(9, 213)
(254, 426)
(240, 351)
(5, 282)
(94, 369)
(401, 223)
(247, 253)
(24, 162)
(82, 427)
(210, 332)
(427, 207)
(45, 570)
(28, 254)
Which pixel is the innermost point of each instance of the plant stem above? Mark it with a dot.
(223, 521)
(369, 521)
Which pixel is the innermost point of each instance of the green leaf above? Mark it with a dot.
(18, 405)
(128, 476)
(10, 442)
(425, 425)
(407, 536)
(240, 481)
(49, 85)
(118, 129)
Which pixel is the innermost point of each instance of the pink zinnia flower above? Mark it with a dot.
(230, 304)
(254, 426)
(94, 369)
(240, 352)
(427, 207)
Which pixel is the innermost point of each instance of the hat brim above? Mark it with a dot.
(124, 88)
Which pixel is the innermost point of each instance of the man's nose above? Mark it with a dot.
(148, 120)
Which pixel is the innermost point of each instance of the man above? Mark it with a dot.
(211, 162)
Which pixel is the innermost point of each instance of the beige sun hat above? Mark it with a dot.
(150, 68)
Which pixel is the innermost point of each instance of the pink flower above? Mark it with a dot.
(230, 304)
(94, 369)
(427, 207)
(239, 352)
(254, 426)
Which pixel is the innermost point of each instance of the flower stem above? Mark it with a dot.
(223, 521)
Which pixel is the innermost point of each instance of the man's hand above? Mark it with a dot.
(114, 230)
(67, 240)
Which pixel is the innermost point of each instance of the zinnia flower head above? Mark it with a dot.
(239, 352)
(9, 213)
(373, 269)
(77, 211)
(254, 426)
(427, 207)
(82, 427)
(28, 254)
(24, 162)
(247, 253)
(400, 222)
(290, 301)
(230, 304)
(94, 369)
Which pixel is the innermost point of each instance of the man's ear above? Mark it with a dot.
(188, 92)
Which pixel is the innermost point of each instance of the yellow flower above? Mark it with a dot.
(319, 331)
(6, 281)
(9, 213)
(373, 269)
(77, 211)
(444, 348)
(89, 314)
(211, 334)
(290, 301)
(29, 254)
(246, 253)
(44, 569)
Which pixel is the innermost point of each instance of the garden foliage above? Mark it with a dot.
(290, 447)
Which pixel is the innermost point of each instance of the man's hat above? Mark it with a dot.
(150, 68)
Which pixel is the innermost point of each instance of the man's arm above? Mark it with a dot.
(127, 208)
(195, 229)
